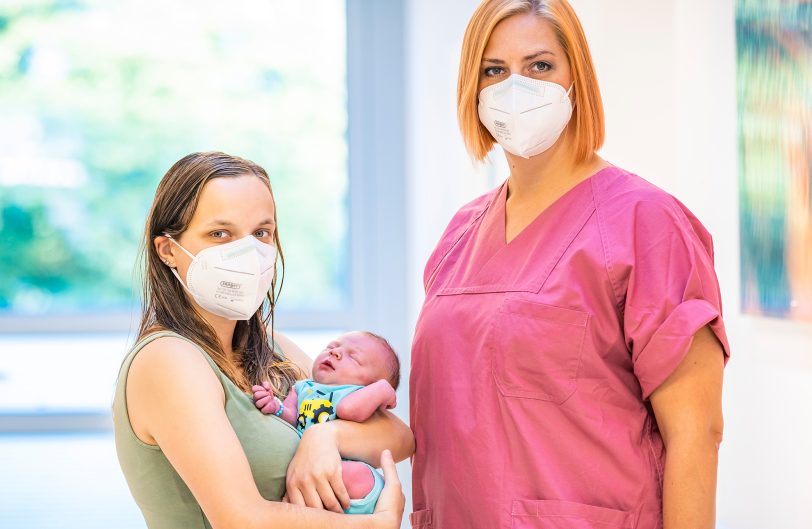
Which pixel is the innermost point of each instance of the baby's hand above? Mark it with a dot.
(390, 404)
(264, 399)
(390, 399)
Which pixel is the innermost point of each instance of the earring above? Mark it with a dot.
(166, 262)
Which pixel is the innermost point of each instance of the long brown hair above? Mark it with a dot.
(165, 304)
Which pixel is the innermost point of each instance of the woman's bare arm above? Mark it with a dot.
(688, 407)
(160, 380)
(364, 441)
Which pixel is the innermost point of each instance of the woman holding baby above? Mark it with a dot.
(194, 449)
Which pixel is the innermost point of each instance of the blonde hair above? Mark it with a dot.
(587, 122)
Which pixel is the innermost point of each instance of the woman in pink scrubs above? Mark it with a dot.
(567, 363)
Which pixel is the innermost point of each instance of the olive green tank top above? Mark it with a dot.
(164, 499)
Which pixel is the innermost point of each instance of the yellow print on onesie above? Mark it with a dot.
(314, 411)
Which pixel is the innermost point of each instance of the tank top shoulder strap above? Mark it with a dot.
(146, 340)
(228, 385)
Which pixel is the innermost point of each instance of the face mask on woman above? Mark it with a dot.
(230, 280)
(526, 116)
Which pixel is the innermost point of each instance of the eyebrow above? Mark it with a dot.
(220, 222)
(526, 58)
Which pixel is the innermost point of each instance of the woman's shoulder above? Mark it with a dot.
(170, 357)
(166, 369)
(624, 198)
(466, 215)
(170, 345)
(618, 188)
(632, 212)
(475, 207)
(464, 218)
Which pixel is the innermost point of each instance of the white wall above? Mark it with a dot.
(667, 72)
(439, 174)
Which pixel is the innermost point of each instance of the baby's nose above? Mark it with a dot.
(336, 353)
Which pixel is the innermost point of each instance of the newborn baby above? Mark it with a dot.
(354, 376)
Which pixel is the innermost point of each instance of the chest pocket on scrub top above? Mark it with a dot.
(537, 349)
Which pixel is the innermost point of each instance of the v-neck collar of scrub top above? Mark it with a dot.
(498, 266)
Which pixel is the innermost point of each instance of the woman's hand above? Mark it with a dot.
(389, 509)
(314, 473)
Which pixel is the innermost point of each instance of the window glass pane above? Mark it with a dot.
(100, 97)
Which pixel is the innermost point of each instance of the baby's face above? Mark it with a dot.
(352, 358)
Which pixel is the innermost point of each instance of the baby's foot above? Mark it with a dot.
(358, 479)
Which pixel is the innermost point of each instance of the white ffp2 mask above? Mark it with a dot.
(525, 116)
(230, 280)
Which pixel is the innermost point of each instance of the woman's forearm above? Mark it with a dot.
(365, 441)
(269, 514)
(688, 409)
(689, 482)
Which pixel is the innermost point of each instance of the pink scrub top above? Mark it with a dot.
(533, 361)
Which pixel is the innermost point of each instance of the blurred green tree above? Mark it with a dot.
(99, 97)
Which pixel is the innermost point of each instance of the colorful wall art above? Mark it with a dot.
(774, 80)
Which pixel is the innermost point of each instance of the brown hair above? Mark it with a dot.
(166, 305)
(587, 122)
(394, 360)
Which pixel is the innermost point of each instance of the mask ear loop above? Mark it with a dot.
(174, 271)
(178, 245)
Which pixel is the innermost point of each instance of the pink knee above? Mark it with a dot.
(357, 478)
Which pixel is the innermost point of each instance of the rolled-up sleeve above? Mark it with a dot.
(672, 291)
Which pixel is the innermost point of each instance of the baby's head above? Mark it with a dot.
(358, 357)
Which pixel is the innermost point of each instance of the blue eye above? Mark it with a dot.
(219, 234)
(493, 71)
(541, 66)
(259, 234)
